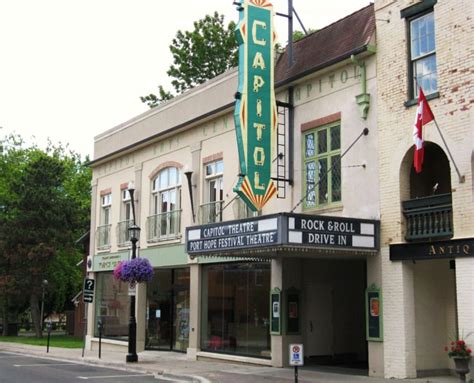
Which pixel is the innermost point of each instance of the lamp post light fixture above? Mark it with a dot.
(44, 284)
(189, 173)
(134, 232)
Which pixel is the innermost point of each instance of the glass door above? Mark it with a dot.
(181, 309)
(159, 308)
(168, 310)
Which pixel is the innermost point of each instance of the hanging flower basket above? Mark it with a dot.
(134, 271)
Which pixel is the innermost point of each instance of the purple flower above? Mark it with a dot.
(118, 270)
(136, 270)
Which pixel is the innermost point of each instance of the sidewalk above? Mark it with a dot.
(176, 367)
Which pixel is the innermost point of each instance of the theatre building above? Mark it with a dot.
(231, 283)
(427, 243)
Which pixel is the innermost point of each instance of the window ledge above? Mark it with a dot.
(329, 209)
(164, 241)
(414, 101)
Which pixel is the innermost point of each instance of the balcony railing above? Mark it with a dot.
(242, 211)
(163, 226)
(103, 237)
(428, 217)
(123, 236)
(211, 212)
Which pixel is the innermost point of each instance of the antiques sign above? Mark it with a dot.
(455, 248)
(255, 113)
(332, 231)
(284, 230)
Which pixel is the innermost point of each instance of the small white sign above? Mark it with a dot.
(296, 355)
(132, 291)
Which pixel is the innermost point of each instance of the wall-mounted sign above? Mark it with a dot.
(324, 231)
(107, 262)
(255, 112)
(373, 314)
(454, 248)
(233, 235)
(275, 310)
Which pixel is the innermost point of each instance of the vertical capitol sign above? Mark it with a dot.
(255, 112)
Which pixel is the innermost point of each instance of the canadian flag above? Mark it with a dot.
(423, 116)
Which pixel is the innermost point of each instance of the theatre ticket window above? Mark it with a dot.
(112, 306)
(236, 318)
(322, 166)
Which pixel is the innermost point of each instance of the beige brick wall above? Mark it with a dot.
(453, 27)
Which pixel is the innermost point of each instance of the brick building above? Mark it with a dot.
(426, 260)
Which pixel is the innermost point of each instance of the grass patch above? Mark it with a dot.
(65, 341)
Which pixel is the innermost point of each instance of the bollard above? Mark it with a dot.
(100, 326)
(49, 326)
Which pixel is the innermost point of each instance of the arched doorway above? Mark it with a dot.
(435, 178)
(427, 209)
(426, 196)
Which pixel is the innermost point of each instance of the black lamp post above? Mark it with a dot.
(134, 232)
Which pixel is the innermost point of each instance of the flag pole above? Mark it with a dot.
(461, 177)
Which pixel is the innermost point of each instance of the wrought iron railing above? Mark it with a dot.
(428, 217)
(163, 226)
(103, 237)
(123, 236)
(211, 212)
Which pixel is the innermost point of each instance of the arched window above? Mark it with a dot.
(164, 222)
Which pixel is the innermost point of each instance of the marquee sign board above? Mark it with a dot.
(233, 235)
(335, 232)
(255, 113)
(285, 230)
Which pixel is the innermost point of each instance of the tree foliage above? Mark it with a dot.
(44, 208)
(199, 55)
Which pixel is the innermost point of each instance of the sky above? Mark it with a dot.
(71, 69)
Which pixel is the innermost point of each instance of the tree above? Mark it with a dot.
(45, 207)
(199, 55)
(298, 35)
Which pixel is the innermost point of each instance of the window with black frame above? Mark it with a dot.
(421, 38)
(423, 54)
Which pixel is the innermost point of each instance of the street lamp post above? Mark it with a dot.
(134, 232)
(43, 287)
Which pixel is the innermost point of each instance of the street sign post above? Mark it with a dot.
(88, 290)
(296, 358)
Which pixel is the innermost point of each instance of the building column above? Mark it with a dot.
(276, 281)
(195, 311)
(399, 318)
(465, 302)
(375, 349)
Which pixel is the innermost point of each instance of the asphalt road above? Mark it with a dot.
(16, 368)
